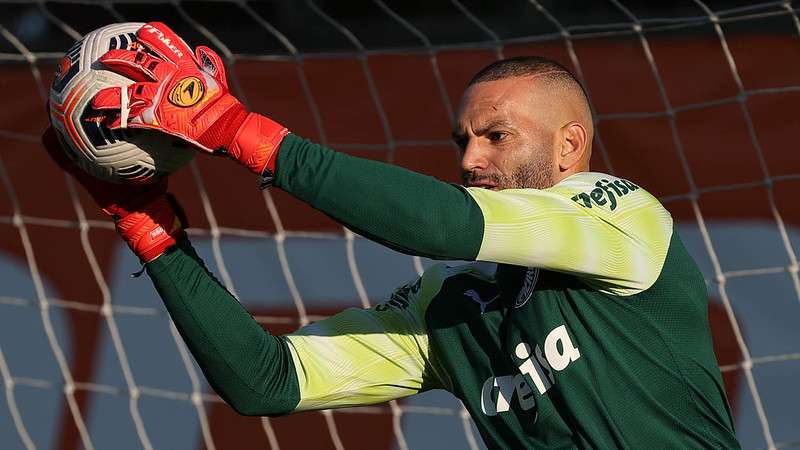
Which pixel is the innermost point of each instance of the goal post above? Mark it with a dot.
(696, 103)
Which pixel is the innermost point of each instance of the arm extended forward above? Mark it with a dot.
(603, 229)
(356, 357)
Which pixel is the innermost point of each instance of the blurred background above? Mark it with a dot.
(696, 101)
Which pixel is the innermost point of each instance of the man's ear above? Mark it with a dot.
(572, 145)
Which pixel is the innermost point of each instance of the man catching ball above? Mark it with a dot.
(582, 322)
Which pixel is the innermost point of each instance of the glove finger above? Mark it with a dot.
(130, 103)
(164, 42)
(141, 95)
(211, 63)
(133, 99)
(108, 99)
(136, 65)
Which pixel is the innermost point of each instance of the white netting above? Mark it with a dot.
(411, 423)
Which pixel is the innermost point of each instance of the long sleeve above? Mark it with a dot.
(356, 357)
(247, 366)
(605, 230)
(403, 210)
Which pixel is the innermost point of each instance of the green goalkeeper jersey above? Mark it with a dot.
(583, 326)
(585, 349)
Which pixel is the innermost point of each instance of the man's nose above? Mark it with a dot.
(473, 157)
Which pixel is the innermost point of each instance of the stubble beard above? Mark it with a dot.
(534, 174)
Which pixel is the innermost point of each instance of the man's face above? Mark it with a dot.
(505, 135)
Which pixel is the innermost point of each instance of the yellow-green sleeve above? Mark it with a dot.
(367, 356)
(608, 231)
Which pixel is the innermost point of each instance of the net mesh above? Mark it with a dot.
(696, 102)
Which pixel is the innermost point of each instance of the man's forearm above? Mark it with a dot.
(248, 367)
(404, 210)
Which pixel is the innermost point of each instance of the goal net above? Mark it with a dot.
(697, 102)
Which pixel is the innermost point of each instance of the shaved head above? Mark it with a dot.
(525, 66)
(531, 125)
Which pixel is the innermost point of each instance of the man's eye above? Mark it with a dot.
(461, 143)
(497, 136)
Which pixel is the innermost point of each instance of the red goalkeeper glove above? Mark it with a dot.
(185, 93)
(147, 217)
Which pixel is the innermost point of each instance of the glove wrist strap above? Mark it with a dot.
(152, 229)
(257, 142)
(222, 133)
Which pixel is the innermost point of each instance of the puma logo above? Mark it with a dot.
(475, 297)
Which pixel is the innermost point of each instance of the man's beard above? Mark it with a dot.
(535, 174)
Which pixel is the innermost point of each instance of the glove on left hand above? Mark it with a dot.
(147, 217)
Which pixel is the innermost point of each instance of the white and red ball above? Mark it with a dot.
(122, 156)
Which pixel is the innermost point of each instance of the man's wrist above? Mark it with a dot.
(223, 132)
(152, 229)
(257, 142)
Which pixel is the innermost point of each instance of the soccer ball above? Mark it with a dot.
(121, 156)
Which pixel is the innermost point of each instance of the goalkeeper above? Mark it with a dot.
(583, 325)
